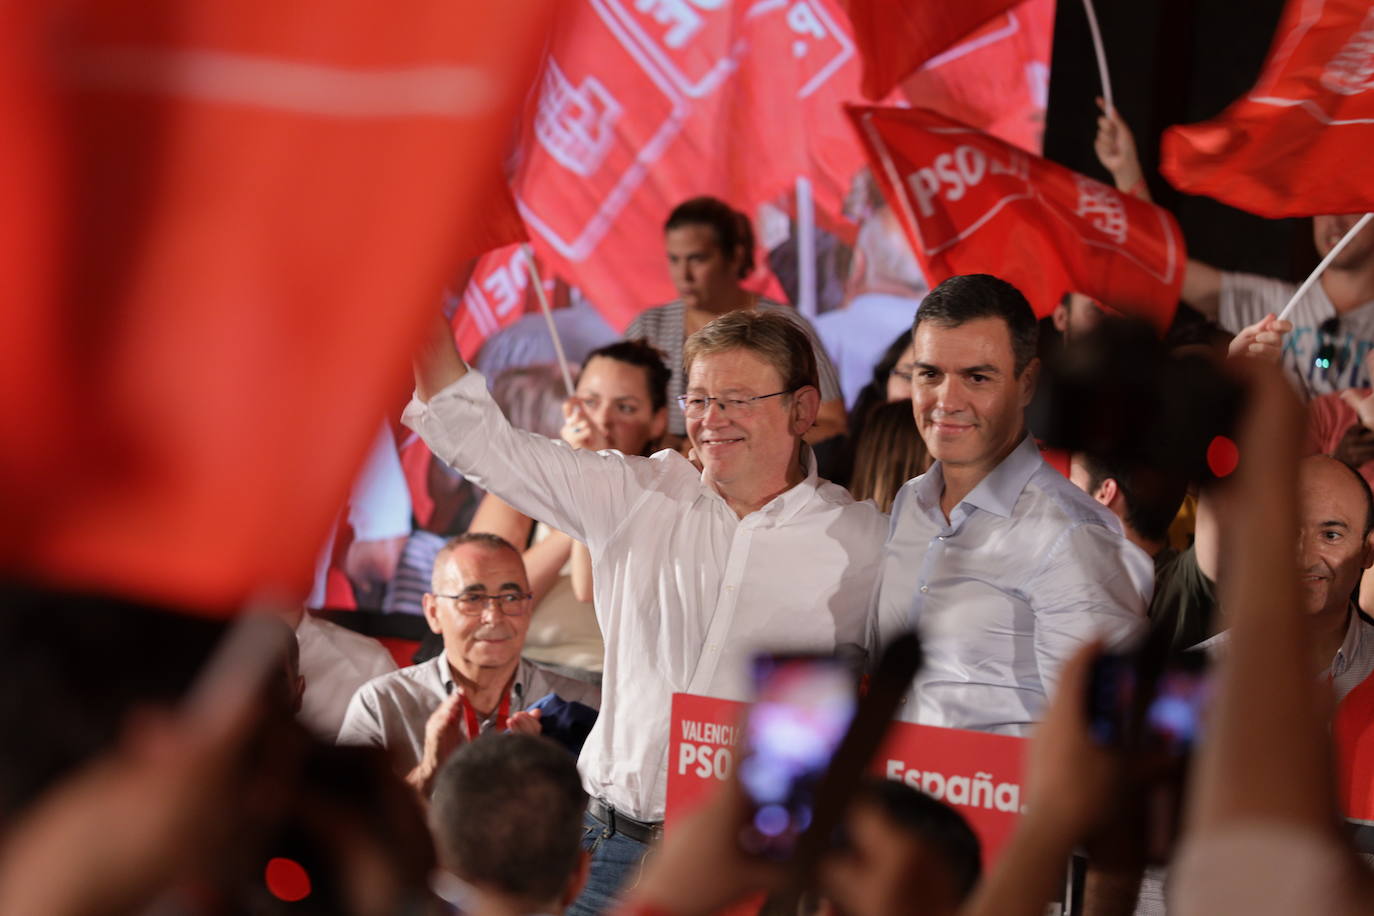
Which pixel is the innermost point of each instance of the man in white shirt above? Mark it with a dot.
(335, 662)
(1004, 567)
(694, 570)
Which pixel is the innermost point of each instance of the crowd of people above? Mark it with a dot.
(718, 489)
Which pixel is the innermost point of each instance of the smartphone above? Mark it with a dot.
(804, 706)
(1128, 704)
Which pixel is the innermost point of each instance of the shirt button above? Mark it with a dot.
(940, 538)
(924, 589)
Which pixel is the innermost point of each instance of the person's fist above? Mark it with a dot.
(1262, 340)
(526, 723)
(578, 429)
(1115, 148)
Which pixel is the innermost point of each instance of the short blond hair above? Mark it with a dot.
(779, 340)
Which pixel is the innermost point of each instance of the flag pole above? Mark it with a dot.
(1331, 256)
(1101, 55)
(548, 317)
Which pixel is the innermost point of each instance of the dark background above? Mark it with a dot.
(1172, 62)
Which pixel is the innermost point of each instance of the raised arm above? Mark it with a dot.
(438, 364)
(1274, 765)
(1115, 148)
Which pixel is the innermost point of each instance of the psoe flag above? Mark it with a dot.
(1298, 143)
(971, 203)
(895, 39)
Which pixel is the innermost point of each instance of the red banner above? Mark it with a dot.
(997, 80)
(638, 101)
(973, 204)
(226, 223)
(1298, 143)
(976, 773)
(896, 38)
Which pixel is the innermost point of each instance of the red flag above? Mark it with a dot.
(1298, 143)
(997, 79)
(230, 222)
(896, 38)
(973, 204)
(497, 222)
(644, 104)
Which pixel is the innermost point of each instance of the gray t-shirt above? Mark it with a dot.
(1344, 341)
(665, 329)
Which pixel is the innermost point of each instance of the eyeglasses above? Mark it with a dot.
(696, 405)
(471, 604)
(1327, 353)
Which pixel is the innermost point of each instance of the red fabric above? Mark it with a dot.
(973, 204)
(1298, 143)
(1353, 734)
(895, 38)
(224, 230)
(644, 105)
(997, 79)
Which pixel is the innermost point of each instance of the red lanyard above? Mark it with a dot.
(475, 725)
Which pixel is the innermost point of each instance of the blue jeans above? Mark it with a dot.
(615, 867)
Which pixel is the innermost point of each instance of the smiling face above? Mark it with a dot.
(1328, 230)
(701, 272)
(1333, 551)
(968, 401)
(616, 398)
(490, 639)
(755, 444)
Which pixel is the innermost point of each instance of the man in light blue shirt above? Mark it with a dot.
(1002, 565)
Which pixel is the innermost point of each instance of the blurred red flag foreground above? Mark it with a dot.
(1298, 143)
(226, 224)
(971, 203)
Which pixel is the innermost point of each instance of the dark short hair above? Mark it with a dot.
(972, 296)
(1152, 496)
(734, 232)
(935, 824)
(774, 337)
(639, 352)
(507, 813)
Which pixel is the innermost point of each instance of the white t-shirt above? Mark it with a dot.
(1246, 298)
(335, 662)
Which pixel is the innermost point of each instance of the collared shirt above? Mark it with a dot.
(1353, 662)
(1026, 569)
(686, 591)
(391, 711)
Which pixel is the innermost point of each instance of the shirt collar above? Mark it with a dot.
(789, 502)
(999, 490)
(517, 687)
(1352, 645)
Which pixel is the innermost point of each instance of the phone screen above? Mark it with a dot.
(1174, 717)
(804, 707)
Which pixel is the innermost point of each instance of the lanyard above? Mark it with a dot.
(475, 725)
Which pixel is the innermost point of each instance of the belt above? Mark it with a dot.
(615, 822)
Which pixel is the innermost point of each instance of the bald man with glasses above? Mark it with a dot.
(480, 604)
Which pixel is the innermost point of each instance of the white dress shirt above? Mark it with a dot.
(335, 662)
(1027, 568)
(685, 590)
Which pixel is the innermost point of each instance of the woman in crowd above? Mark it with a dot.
(621, 404)
(889, 452)
(710, 249)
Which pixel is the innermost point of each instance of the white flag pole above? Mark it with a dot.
(548, 317)
(1101, 55)
(1331, 256)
